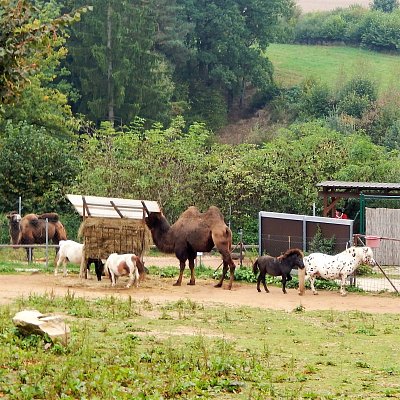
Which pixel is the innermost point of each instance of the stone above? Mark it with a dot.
(34, 322)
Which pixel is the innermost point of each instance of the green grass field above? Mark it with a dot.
(127, 349)
(333, 65)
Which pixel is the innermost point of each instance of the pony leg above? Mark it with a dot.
(258, 283)
(132, 278)
(192, 276)
(136, 278)
(65, 267)
(342, 285)
(57, 264)
(284, 283)
(312, 279)
(264, 282)
(181, 269)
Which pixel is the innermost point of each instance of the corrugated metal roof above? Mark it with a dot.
(359, 185)
(111, 207)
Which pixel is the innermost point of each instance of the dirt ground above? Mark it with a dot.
(324, 5)
(160, 290)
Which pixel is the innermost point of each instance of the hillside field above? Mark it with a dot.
(332, 65)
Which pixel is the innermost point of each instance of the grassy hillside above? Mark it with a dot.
(333, 65)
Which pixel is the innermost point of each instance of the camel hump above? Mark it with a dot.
(214, 212)
(30, 219)
(51, 216)
(191, 212)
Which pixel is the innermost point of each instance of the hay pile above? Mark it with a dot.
(103, 236)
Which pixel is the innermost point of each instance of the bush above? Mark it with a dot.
(320, 244)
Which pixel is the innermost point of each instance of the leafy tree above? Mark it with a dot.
(227, 42)
(385, 5)
(321, 244)
(40, 171)
(115, 66)
(25, 39)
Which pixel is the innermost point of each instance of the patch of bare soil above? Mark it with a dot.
(161, 290)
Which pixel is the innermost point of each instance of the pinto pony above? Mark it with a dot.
(279, 266)
(72, 252)
(69, 251)
(125, 264)
(339, 266)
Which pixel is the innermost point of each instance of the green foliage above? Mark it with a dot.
(376, 29)
(385, 5)
(183, 349)
(353, 105)
(115, 67)
(321, 244)
(225, 41)
(208, 105)
(179, 168)
(40, 171)
(26, 38)
(316, 99)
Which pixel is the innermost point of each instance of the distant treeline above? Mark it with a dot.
(356, 26)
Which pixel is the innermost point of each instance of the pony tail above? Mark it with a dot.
(255, 267)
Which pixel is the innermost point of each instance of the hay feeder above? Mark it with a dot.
(112, 225)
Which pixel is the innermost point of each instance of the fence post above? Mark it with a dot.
(241, 247)
(362, 214)
(47, 242)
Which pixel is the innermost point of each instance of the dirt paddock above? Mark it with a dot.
(161, 290)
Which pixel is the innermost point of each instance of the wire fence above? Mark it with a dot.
(385, 278)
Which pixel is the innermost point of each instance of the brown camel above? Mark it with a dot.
(31, 229)
(193, 232)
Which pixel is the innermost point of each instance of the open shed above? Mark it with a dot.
(112, 225)
(332, 191)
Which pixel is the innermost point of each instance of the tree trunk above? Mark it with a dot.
(110, 85)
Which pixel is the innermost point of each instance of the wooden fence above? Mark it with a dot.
(384, 223)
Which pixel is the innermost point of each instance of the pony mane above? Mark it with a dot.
(289, 253)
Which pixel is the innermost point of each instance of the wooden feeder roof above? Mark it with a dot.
(332, 191)
(111, 207)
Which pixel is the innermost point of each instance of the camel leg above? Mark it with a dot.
(224, 271)
(232, 268)
(192, 277)
(181, 269)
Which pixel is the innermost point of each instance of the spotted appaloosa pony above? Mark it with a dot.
(278, 266)
(339, 266)
(125, 264)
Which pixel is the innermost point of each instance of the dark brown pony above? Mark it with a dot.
(278, 266)
(31, 229)
(193, 232)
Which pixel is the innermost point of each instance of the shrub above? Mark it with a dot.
(321, 244)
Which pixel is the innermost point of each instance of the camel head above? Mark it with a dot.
(153, 220)
(15, 228)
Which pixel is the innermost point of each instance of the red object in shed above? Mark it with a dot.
(373, 241)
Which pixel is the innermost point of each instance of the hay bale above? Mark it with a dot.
(103, 236)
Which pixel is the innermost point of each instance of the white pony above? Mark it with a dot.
(69, 251)
(125, 264)
(339, 266)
